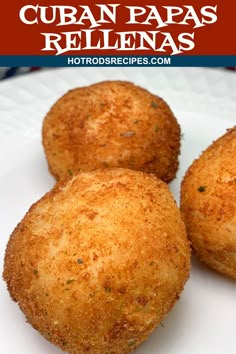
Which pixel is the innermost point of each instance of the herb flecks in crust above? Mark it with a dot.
(202, 189)
(154, 104)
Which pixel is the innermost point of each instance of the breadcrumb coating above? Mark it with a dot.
(208, 204)
(99, 261)
(111, 124)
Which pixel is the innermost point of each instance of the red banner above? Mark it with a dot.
(204, 27)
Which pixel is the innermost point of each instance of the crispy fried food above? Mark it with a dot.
(111, 124)
(99, 261)
(208, 204)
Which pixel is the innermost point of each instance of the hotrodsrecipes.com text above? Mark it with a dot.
(119, 60)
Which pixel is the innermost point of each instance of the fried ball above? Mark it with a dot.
(208, 204)
(111, 124)
(99, 261)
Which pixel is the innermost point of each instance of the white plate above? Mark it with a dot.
(204, 101)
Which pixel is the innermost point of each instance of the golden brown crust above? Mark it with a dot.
(208, 204)
(99, 261)
(111, 124)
